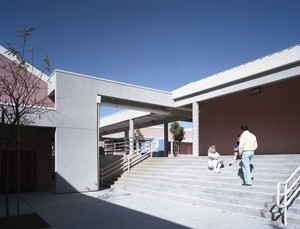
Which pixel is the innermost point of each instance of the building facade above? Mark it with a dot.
(263, 93)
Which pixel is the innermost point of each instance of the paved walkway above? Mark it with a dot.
(112, 210)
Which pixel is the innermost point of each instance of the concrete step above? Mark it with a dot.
(217, 197)
(293, 219)
(207, 181)
(293, 209)
(206, 173)
(271, 166)
(204, 168)
(275, 214)
(196, 161)
(189, 180)
(177, 161)
(194, 200)
(234, 191)
(259, 156)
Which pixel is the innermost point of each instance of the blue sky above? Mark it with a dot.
(161, 44)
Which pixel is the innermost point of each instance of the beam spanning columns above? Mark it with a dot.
(196, 112)
(166, 139)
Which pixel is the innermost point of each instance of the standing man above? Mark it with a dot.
(247, 146)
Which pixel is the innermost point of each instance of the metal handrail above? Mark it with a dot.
(126, 144)
(289, 193)
(130, 158)
(114, 146)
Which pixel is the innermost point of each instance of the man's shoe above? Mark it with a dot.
(232, 162)
(247, 184)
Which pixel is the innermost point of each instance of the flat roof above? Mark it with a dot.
(266, 63)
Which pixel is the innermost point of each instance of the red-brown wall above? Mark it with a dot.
(186, 148)
(39, 141)
(273, 116)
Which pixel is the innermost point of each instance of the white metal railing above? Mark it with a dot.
(115, 146)
(133, 155)
(287, 191)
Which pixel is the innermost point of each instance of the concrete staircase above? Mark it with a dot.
(189, 180)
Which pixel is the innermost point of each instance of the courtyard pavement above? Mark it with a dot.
(114, 210)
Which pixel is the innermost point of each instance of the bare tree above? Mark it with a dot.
(23, 98)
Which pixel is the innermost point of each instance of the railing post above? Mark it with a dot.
(285, 205)
(286, 200)
(151, 149)
(128, 162)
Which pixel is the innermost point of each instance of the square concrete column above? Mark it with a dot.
(131, 135)
(166, 139)
(76, 134)
(196, 114)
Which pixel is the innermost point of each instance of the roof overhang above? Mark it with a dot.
(118, 122)
(258, 80)
(270, 69)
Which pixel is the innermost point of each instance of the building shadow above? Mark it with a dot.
(90, 210)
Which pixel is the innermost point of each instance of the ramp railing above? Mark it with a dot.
(134, 153)
(287, 192)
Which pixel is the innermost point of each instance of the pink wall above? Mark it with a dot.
(273, 116)
(186, 148)
(152, 132)
(158, 132)
(39, 95)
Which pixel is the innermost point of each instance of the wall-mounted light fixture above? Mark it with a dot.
(256, 91)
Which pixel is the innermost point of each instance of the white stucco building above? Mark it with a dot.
(263, 93)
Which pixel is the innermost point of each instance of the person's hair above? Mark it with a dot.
(244, 127)
(209, 149)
